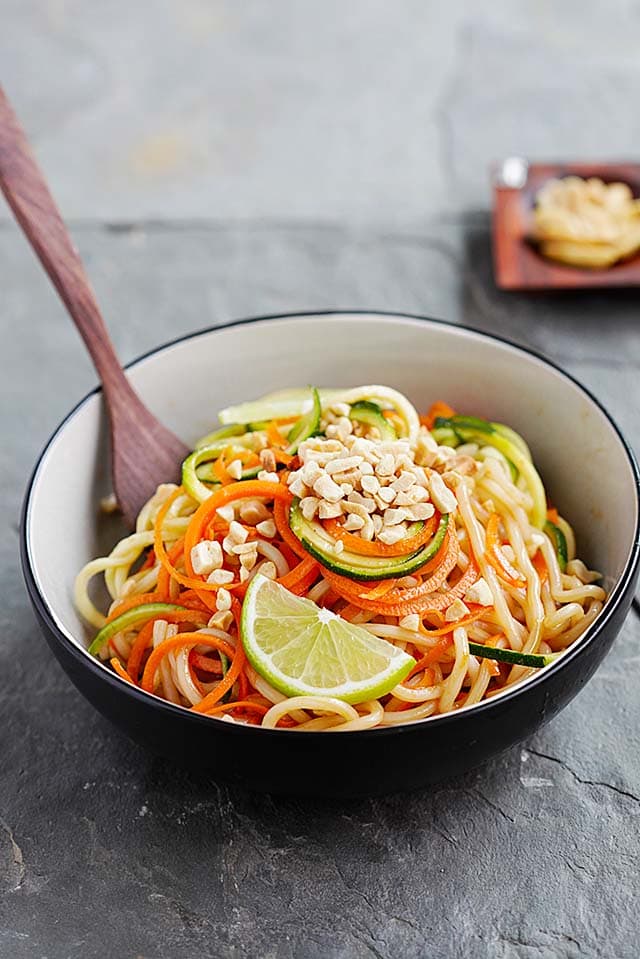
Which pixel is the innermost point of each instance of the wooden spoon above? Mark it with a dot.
(143, 452)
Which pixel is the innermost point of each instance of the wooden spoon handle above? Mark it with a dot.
(28, 196)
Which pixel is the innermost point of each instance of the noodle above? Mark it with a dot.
(498, 578)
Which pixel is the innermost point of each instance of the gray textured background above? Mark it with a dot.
(224, 159)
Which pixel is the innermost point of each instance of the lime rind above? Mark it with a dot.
(303, 650)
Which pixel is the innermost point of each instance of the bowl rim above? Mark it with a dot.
(44, 608)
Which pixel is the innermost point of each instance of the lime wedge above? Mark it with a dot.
(304, 650)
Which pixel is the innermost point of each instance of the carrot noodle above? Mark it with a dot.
(439, 408)
(132, 601)
(118, 668)
(242, 705)
(358, 545)
(496, 557)
(495, 579)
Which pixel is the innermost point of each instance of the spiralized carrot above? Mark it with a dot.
(191, 581)
(355, 544)
(204, 663)
(164, 578)
(225, 684)
(182, 641)
(398, 600)
(439, 408)
(465, 621)
(144, 636)
(434, 655)
(417, 599)
(241, 704)
(281, 518)
(540, 566)
(275, 437)
(301, 577)
(246, 489)
(118, 668)
(132, 601)
(495, 556)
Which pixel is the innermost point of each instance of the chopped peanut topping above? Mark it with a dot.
(378, 487)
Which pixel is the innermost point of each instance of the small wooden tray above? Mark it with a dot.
(517, 263)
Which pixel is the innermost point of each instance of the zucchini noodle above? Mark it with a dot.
(483, 566)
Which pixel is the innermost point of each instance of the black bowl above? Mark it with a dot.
(583, 458)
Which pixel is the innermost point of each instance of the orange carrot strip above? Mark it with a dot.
(382, 589)
(285, 420)
(192, 600)
(132, 601)
(540, 566)
(248, 458)
(329, 600)
(143, 638)
(164, 579)
(495, 556)
(204, 663)
(235, 671)
(181, 641)
(493, 665)
(191, 581)
(137, 650)
(418, 603)
(358, 594)
(220, 470)
(301, 577)
(449, 628)
(192, 673)
(281, 517)
(355, 544)
(291, 557)
(118, 668)
(439, 408)
(552, 515)
(242, 704)
(433, 656)
(426, 679)
(349, 612)
(249, 489)
(275, 437)
(243, 685)
(281, 457)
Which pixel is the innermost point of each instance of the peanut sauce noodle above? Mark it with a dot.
(489, 589)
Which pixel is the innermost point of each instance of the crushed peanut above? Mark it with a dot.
(226, 513)
(234, 469)
(206, 556)
(266, 476)
(377, 487)
(252, 512)
(223, 600)
(220, 577)
(223, 618)
(237, 532)
(268, 569)
(456, 611)
(267, 528)
(479, 593)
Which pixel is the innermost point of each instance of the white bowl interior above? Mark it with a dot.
(583, 462)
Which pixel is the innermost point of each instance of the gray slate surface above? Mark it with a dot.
(290, 194)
